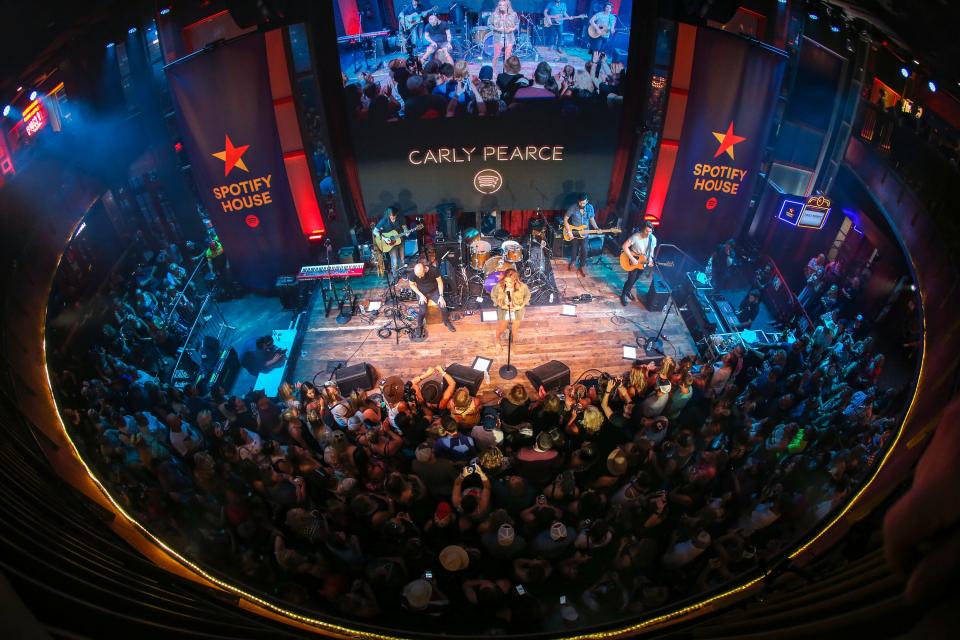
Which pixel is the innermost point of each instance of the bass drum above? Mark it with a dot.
(491, 281)
(478, 34)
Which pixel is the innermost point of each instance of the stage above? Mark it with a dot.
(593, 339)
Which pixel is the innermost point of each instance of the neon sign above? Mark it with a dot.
(36, 122)
(790, 211)
(815, 212)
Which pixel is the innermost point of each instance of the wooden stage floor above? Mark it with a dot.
(593, 339)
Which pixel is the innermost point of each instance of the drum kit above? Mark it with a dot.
(488, 264)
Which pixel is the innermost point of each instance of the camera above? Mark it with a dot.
(520, 590)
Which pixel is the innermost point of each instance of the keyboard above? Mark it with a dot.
(315, 272)
(359, 37)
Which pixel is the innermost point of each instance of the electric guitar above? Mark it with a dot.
(553, 21)
(408, 22)
(581, 231)
(598, 31)
(387, 241)
(626, 265)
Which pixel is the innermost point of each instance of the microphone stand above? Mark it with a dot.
(655, 344)
(508, 371)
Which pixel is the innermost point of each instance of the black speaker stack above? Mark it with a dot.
(551, 376)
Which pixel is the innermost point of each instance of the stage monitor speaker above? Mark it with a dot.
(560, 247)
(552, 375)
(658, 294)
(288, 289)
(466, 377)
(357, 377)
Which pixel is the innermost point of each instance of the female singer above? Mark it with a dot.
(504, 22)
(510, 296)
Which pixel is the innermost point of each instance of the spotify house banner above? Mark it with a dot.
(733, 91)
(225, 112)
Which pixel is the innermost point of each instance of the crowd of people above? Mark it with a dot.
(447, 89)
(418, 505)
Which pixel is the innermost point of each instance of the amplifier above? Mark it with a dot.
(357, 377)
(289, 291)
(552, 375)
(658, 295)
(466, 377)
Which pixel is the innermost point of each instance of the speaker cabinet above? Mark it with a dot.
(357, 377)
(657, 295)
(466, 377)
(552, 375)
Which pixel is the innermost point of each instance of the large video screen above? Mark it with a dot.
(487, 104)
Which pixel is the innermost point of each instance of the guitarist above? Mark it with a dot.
(639, 247)
(578, 215)
(553, 36)
(604, 23)
(391, 222)
(415, 33)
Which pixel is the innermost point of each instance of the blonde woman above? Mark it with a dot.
(504, 22)
(510, 296)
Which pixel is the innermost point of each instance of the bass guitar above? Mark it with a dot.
(581, 231)
(387, 241)
(408, 22)
(553, 21)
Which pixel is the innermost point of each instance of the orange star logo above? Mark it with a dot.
(727, 140)
(233, 156)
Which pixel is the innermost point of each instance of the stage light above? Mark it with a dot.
(6, 111)
(913, 287)
(905, 72)
(835, 27)
(164, 11)
(110, 45)
(19, 89)
(132, 30)
(932, 86)
(813, 15)
(33, 95)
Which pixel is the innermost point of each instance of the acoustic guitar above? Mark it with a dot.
(598, 31)
(408, 22)
(390, 239)
(581, 231)
(626, 265)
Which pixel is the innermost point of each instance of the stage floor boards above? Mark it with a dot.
(593, 339)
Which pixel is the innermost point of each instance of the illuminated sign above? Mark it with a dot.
(790, 211)
(458, 155)
(814, 213)
(237, 196)
(35, 123)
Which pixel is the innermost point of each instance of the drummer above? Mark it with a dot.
(510, 296)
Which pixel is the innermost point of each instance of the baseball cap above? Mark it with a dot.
(486, 72)
(558, 531)
(417, 594)
(544, 442)
(423, 451)
(505, 535)
(489, 422)
(443, 510)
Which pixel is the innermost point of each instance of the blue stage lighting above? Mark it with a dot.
(835, 28)
(132, 30)
(33, 94)
(6, 111)
(110, 45)
(905, 72)
(932, 86)
(164, 11)
(813, 16)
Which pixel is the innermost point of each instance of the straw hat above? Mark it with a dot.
(393, 389)
(417, 594)
(454, 558)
